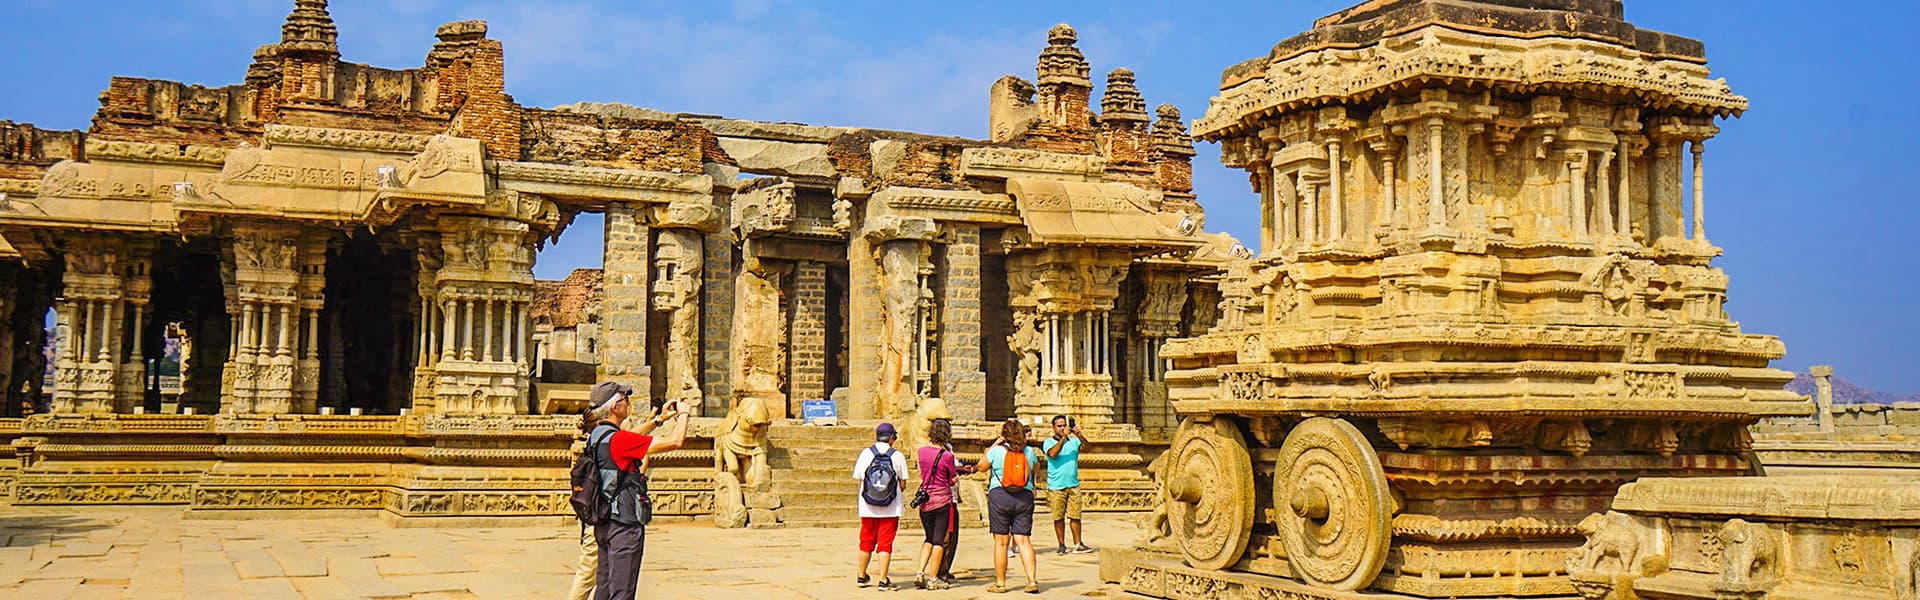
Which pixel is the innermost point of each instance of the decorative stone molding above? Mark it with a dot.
(598, 182)
(1003, 163)
(1444, 55)
(144, 152)
(295, 136)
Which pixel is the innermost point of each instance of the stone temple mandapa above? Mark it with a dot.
(343, 253)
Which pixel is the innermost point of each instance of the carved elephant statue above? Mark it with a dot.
(1612, 546)
(1749, 556)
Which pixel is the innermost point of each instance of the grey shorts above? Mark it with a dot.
(1010, 511)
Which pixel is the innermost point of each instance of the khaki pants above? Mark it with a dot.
(589, 564)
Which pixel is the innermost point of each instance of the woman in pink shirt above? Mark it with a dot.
(940, 515)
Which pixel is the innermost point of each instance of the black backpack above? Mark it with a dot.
(880, 485)
(589, 505)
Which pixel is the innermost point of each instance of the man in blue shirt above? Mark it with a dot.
(1063, 482)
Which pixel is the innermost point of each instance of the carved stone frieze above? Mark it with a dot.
(296, 136)
(1018, 162)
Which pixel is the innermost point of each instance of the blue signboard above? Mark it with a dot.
(819, 410)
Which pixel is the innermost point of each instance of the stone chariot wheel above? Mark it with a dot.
(1210, 482)
(1332, 504)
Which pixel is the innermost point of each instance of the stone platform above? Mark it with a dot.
(1163, 575)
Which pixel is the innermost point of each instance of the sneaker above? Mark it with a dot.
(862, 581)
(886, 586)
(1062, 551)
(1013, 552)
(938, 585)
(919, 581)
(1082, 549)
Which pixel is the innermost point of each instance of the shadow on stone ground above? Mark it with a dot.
(152, 552)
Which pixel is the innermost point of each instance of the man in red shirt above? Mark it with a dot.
(619, 455)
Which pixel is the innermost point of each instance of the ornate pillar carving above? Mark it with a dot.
(265, 285)
(902, 251)
(679, 262)
(101, 275)
(1699, 147)
(483, 261)
(759, 341)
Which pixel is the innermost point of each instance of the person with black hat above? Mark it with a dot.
(882, 475)
(621, 538)
(589, 565)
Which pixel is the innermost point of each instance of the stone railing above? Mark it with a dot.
(1752, 538)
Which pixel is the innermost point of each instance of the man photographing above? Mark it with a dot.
(1063, 482)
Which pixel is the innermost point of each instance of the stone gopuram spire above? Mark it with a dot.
(1123, 130)
(309, 29)
(1122, 101)
(1064, 86)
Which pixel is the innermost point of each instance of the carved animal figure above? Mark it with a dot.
(1748, 555)
(930, 409)
(1612, 547)
(741, 446)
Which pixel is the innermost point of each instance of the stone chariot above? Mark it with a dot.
(1478, 311)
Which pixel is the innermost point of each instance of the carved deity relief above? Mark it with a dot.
(759, 332)
(678, 261)
(901, 265)
(1025, 342)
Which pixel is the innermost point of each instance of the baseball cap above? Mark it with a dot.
(884, 432)
(603, 393)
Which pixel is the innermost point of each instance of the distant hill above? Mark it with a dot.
(1845, 392)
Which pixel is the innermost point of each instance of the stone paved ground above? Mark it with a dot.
(152, 552)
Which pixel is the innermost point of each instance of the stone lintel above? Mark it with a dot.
(888, 228)
(945, 205)
(600, 183)
(699, 216)
(1003, 163)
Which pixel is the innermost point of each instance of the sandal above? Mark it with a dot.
(1033, 587)
(998, 588)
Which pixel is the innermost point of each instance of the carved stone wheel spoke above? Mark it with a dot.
(1211, 487)
(1334, 509)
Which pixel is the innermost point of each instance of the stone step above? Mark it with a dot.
(817, 513)
(828, 523)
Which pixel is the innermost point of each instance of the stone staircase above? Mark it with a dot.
(813, 473)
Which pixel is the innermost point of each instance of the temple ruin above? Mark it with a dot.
(346, 253)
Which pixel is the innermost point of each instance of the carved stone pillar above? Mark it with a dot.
(1061, 297)
(963, 379)
(759, 340)
(679, 262)
(1699, 147)
(623, 321)
(265, 286)
(86, 375)
(902, 252)
(1436, 179)
(484, 263)
(1577, 194)
(1823, 396)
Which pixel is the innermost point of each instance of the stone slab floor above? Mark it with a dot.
(153, 552)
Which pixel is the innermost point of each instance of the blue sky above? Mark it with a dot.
(1807, 192)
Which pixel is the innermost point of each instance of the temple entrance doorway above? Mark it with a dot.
(367, 354)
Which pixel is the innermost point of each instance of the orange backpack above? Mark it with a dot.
(1014, 473)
